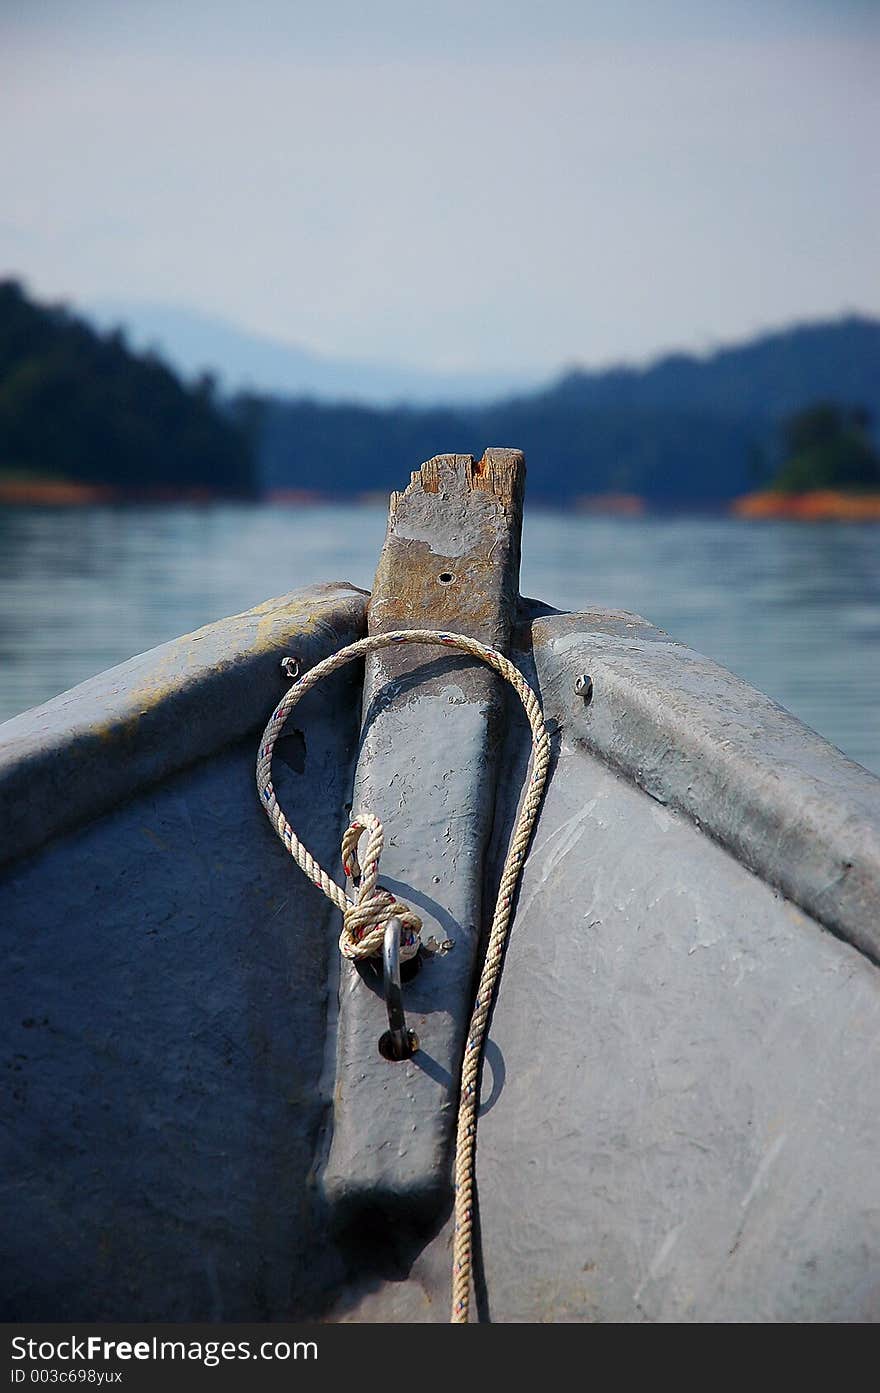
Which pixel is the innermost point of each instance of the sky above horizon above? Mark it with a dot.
(457, 187)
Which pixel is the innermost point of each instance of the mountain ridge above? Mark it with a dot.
(682, 432)
(194, 343)
(669, 378)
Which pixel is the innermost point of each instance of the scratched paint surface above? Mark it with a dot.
(679, 1102)
(685, 1131)
(166, 989)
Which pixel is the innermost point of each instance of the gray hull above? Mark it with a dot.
(680, 1116)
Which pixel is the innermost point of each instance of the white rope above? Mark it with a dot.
(364, 917)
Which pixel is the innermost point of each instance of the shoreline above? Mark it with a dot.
(821, 505)
(63, 493)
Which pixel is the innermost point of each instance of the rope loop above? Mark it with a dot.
(363, 924)
(364, 917)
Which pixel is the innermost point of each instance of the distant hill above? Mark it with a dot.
(194, 343)
(683, 431)
(770, 377)
(79, 407)
(686, 431)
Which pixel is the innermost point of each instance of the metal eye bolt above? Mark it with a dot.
(397, 1042)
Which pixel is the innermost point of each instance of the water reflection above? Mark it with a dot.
(794, 609)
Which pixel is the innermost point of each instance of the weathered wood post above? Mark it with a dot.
(427, 767)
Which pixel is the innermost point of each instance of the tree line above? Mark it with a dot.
(80, 406)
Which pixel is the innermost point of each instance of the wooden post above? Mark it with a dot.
(427, 767)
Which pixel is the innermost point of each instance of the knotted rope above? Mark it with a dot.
(365, 917)
(363, 923)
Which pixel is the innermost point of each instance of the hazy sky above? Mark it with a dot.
(449, 185)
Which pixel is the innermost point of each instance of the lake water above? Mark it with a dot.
(793, 608)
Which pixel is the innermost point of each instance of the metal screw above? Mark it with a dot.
(584, 688)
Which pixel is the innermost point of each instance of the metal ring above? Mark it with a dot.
(397, 1042)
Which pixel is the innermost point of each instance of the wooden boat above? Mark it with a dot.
(679, 1113)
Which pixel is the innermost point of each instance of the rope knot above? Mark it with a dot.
(363, 922)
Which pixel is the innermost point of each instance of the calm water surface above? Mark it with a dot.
(793, 608)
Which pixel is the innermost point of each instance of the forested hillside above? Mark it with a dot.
(683, 431)
(80, 407)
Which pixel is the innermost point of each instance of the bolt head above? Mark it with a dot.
(584, 688)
